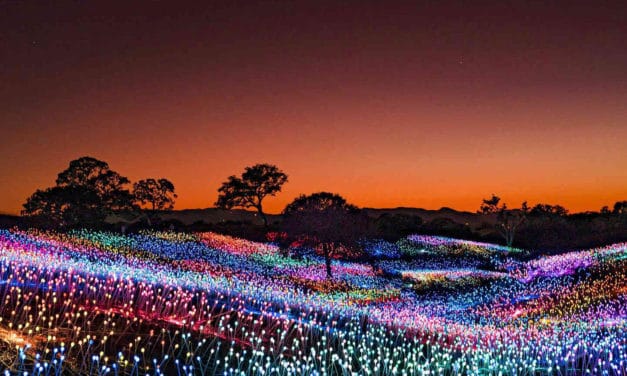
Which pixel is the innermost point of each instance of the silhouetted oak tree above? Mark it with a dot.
(325, 220)
(508, 221)
(490, 206)
(85, 193)
(249, 190)
(620, 208)
(158, 194)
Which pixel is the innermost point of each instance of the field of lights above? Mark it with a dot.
(95, 303)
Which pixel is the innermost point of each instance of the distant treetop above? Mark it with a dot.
(251, 188)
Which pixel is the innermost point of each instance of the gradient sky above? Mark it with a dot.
(423, 104)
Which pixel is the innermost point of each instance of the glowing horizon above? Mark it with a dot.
(429, 106)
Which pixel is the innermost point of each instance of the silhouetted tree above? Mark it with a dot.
(547, 209)
(65, 206)
(619, 221)
(83, 172)
(93, 174)
(85, 193)
(157, 194)
(620, 208)
(326, 221)
(508, 221)
(490, 206)
(249, 190)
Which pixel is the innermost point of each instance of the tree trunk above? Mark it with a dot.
(510, 239)
(263, 216)
(327, 260)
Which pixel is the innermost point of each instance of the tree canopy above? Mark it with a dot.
(83, 172)
(490, 205)
(251, 188)
(158, 194)
(326, 220)
(547, 209)
(84, 194)
(620, 207)
(508, 221)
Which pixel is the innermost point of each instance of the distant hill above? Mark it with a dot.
(215, 215)
(473, 220)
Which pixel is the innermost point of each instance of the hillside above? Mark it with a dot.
(203, 304)
(214, 215)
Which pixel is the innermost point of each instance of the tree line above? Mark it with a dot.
(546, 226)
(88, 192)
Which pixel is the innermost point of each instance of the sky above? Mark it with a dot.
(415, 104)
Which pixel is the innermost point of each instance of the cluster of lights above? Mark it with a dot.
(427, 275)
(448, 245)
(202, 304)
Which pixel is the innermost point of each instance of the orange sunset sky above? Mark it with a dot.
(421, 104)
